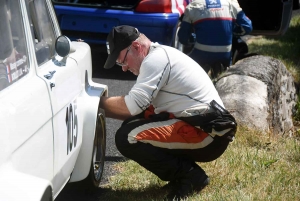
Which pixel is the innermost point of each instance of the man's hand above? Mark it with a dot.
(115, 107)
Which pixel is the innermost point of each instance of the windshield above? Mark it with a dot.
(13, 54)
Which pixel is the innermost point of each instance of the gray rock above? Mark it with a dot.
(260, 93)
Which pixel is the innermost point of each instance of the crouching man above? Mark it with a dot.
(173, 115)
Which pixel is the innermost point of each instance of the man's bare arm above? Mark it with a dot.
(115, 107)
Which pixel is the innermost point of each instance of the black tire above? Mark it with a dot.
(176, 44)
(92, 181)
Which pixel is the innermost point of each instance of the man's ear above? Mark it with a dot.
(136, 45)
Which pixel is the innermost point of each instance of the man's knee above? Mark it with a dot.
(121, 138)
(123, 141)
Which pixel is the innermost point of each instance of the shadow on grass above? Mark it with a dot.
(72, 193)
(76, 192)
(151, 193)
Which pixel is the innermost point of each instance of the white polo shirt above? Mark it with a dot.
(171, 81)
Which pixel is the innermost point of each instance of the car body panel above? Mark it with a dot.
(18, 186)
(89, 105)
(43, 115)
(94, 24)
(26, 116)
(67, 133)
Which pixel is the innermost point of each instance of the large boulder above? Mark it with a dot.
(260, 93)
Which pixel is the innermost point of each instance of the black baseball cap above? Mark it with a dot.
(118, 39)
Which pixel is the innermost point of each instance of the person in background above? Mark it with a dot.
(216, 25)
(173, 115)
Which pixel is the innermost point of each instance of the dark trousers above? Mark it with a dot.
(168, 164)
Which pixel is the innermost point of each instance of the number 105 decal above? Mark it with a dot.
(72, 127)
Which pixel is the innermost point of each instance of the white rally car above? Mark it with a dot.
(52, 130)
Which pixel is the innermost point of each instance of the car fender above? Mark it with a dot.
(89, 105)
(16, 185)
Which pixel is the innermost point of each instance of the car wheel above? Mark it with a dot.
(176, 43)
(97, 163)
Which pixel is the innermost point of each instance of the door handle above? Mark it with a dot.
(49, 75)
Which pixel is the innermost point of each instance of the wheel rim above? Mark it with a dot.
(99, 148)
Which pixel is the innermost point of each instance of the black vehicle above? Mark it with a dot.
(269, 17)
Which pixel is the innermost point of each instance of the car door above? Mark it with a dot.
(26, 133)
(269, 17)
(62, 76)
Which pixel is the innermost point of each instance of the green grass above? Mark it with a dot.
(256, 166)
(285, 48)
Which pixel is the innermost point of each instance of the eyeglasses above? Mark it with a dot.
(123, 62)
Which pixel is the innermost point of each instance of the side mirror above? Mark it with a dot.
(63, 46)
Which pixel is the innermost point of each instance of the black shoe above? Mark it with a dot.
(194, 181)
(172, 185)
